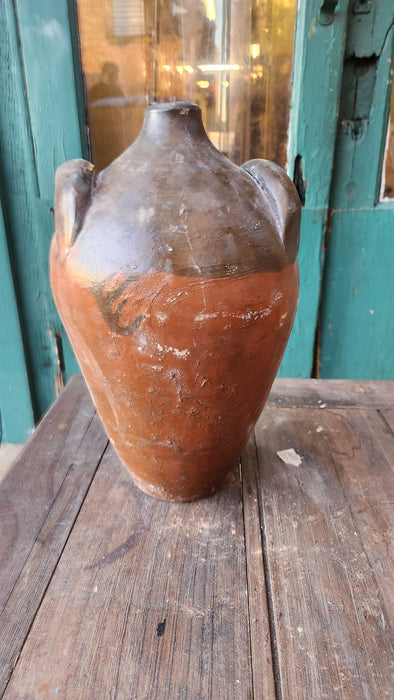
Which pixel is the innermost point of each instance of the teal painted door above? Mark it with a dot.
(339, 111)
(341, 99)
(39, 129)
(356, 331)
(16, 418)
(317, 75)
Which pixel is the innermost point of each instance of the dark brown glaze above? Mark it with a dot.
(173, 203)
(175, 275)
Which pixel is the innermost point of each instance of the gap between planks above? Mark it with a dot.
(266, 677)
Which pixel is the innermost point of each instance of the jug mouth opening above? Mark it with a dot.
(179, 107)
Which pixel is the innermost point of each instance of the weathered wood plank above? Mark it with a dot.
(259, 616)
(30, 488)
(365, 468)
(149, 600)
(326, 530)
(28, 591)
(332, 393)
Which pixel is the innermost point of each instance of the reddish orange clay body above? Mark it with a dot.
(180, 394)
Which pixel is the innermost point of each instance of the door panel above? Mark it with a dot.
(317, 68)
(39, 129)
(357, 328)
(363, 117)
(357, 333)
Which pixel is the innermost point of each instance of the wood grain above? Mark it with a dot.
(29, 489)
(158, 594)
(47, 542)
(279, 586)
(263, 649)
(330, 576)
(331, 393)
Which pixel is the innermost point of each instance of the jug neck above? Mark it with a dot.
(171, 118)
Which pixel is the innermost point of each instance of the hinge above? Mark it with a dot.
(361, 7)
(359, 78)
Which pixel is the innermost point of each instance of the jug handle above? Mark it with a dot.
(283, 198)
(74, 186)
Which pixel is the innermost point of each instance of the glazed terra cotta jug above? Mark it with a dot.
(175, 274)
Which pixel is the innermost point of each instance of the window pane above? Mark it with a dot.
(231, 57)
(388, 164)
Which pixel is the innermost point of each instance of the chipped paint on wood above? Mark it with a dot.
(45, 130)
(357, 328)
(317, 67)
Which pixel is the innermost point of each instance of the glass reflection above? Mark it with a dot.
(230, 57)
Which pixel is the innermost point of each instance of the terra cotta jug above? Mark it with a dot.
(175, 275)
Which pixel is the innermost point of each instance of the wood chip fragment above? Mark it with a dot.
(290, 457)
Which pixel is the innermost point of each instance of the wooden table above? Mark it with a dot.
(280, 585)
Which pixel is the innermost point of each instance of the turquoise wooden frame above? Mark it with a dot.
(41, 126)
(16, 416)
(317, 73)
(356, 333)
